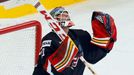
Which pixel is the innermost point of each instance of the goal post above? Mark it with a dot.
(19, 48)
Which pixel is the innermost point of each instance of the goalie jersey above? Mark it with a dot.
(51, 42)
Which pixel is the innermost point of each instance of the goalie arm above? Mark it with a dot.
(92, 53)
(104, 37)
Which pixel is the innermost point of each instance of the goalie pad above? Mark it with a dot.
(63, 56)
(104, 30)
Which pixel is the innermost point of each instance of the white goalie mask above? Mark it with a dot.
(62, 17)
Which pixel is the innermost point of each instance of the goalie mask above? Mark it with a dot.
(62, 17)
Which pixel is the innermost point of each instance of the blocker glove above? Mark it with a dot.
(104, 30)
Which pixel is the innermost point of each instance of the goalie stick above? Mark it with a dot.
(58, 30)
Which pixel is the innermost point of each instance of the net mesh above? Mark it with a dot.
(18, 51)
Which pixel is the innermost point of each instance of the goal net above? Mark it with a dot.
(19, 48)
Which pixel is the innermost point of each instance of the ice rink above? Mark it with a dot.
(121, 59)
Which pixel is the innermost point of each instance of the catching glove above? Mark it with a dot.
(104, 30)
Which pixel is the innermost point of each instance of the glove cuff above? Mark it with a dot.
(102, 42)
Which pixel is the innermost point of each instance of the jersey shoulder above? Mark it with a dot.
(80, 33)
(51, 36)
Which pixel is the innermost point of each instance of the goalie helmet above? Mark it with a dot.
(62, 17)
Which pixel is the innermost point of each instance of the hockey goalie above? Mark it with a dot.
(56, 56)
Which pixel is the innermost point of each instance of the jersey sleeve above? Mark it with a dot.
(92, 53)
